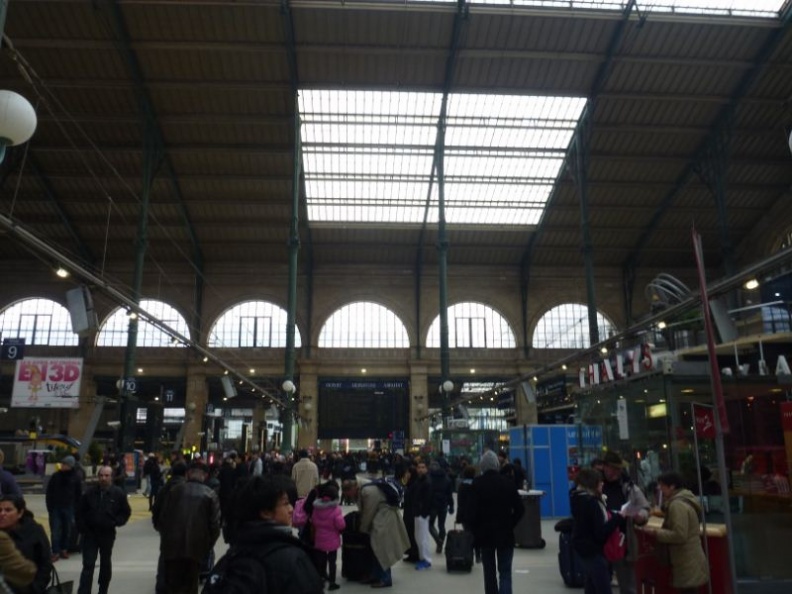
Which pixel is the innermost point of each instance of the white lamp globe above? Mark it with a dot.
(17, 119)
(288, 386)
(448, 386)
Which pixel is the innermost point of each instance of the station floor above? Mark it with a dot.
(137, 547)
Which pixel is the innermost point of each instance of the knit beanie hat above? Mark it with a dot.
(489, 461)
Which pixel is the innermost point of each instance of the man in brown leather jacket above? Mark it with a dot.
(189, 525)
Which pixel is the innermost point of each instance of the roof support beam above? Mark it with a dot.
(724, 121)
(577, 159)
(86, 253)
(297, 222)
(712, 170)
(460, 18)
(157, 143)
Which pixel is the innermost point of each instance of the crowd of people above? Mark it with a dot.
(607, 507)
(283, 516)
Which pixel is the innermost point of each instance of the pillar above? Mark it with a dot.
(196, 399)
(79, 418)
(308, 410)
(419, 405)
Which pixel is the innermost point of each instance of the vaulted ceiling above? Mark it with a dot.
(199, 95)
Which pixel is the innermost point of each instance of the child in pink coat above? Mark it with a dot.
(323, 507)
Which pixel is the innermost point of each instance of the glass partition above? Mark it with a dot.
(660, 436)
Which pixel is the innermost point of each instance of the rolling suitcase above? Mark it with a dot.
(459, 550)
(356, 556)
(569, 562)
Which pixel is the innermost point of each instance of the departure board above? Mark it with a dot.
(362, 409)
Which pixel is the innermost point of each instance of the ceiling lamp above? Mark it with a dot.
(17, 120)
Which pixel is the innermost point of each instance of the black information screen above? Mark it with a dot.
(362, 409)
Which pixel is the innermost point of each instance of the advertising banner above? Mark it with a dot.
(47, 383)
(704, 417)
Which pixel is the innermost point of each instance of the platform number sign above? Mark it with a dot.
(13, 349)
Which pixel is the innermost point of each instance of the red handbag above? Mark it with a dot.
(616, 545)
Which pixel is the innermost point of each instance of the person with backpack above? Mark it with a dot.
(378, 502)
(265, 557)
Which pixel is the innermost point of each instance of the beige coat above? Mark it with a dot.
(384, 524)
(305, 475)
(681, 532)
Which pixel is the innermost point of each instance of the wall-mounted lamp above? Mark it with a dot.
(61, 272)
(751, 284)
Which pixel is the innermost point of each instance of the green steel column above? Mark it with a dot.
(3, 11)
(581, 165)
(287, 415)
(442, 262)
(128, 408)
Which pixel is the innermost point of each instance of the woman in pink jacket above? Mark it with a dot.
(323, 509)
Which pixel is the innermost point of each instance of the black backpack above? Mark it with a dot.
(240, 571)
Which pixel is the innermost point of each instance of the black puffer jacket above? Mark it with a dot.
(31, 540)
(591, 528)
(287, 563)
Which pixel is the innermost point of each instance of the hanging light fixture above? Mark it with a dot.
(17, 120)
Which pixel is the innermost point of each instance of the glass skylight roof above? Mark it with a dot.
(753, 8)
(368, 155)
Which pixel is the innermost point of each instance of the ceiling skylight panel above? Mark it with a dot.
(755, 8)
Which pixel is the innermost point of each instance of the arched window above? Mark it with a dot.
(39, 321)
(473, 325)
(364, 325)
(113, 332)
(566, 327)
(251, 324)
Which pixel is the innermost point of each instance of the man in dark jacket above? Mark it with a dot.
(101, 509)
(442, 503)
(178, 476)
(495, 509)
(422, 507)
(63, 492)
(189, 524)
(152, 471)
